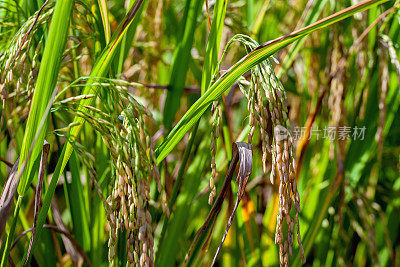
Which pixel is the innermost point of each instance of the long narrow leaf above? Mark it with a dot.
(43, 96)
(242, 66)
(213, 44)
(47, 79)
(181, 62)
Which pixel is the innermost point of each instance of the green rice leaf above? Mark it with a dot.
(245, 64)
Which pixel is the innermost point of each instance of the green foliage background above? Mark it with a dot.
(166, 54)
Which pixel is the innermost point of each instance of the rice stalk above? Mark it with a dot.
(216, 119)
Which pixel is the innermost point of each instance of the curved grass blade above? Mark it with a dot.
(245, 166)
(213, 44)
(245, 64)
(104, 18)
(259, 19)
(181, 61)
(39, 187)
(7, 196)
(242, 154)
(79, 218)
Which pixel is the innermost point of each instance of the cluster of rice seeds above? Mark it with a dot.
(15, 62)
(33, 71)
(267, 103)
(257, 99)
(14, 58)
(283, 163)
(382, 97)
(15, 88)
(130, 196)
(335, 100)
(336, 85)
(266, 96)
(392, 53)
(129, 210)
(134, 169)
(257, 107)
(216, 119)
(18, 92)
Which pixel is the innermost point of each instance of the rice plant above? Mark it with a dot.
(197, 133)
